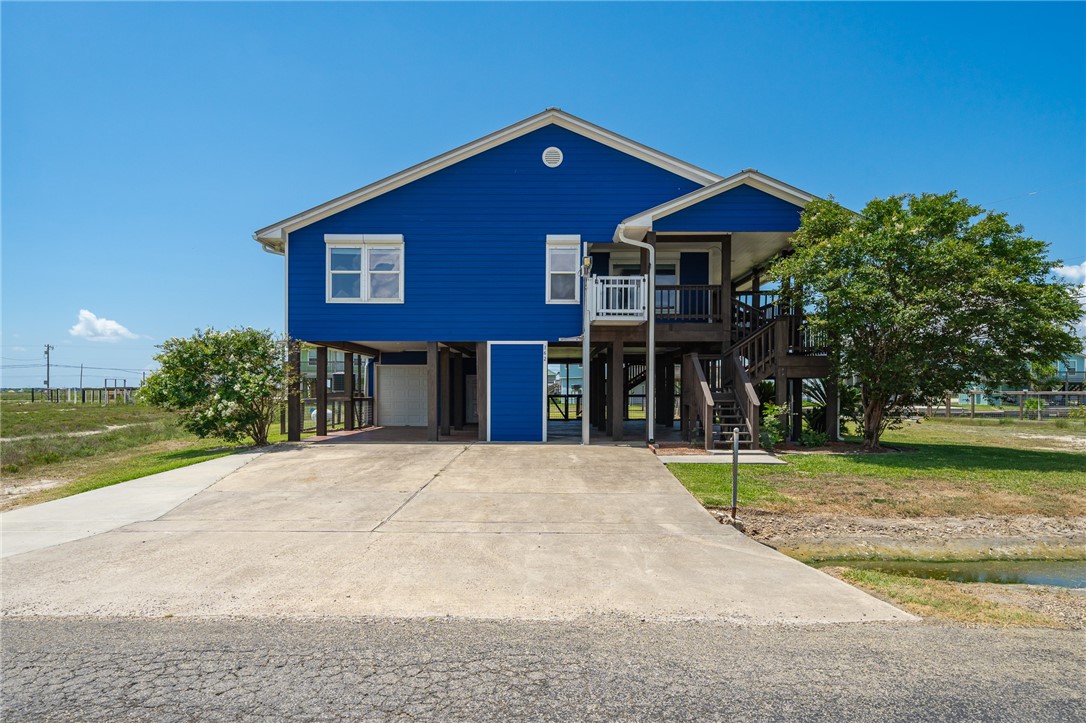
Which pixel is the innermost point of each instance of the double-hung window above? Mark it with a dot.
(365, 268)
(563, 263)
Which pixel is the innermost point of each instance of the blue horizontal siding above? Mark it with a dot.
(475, 242)
(516, 392)
(743, 208)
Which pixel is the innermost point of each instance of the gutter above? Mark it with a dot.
(650, 353)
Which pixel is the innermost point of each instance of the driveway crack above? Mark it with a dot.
(420, 489)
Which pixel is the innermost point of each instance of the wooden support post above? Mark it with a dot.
(756, 291)
(458, 391)
(833, 413)
(348, 390)
(660, 383)
(726, 292)
(446, 393)
(780, 392)
(618, 390)
(948, 405)
(610, 373)
(482, 364)
(599, 391)
(797, 408)
(431, 391)
(322, 391)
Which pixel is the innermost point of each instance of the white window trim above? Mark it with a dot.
(364, 242)
(563, 241)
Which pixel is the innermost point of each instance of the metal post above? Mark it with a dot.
(735, 471)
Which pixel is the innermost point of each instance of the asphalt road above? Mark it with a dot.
(182, 669)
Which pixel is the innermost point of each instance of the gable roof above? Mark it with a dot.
(273, 237)
(640, 224)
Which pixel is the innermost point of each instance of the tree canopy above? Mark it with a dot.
(224, 384)
(925, 294)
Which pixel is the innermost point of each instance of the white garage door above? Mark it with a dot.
(401, 396)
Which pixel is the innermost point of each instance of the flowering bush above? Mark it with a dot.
(224, 384)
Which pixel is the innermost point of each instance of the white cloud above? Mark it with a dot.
(92, 328)
(19, 349)
(1075, 273)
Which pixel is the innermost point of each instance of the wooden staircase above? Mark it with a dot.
(721, 396)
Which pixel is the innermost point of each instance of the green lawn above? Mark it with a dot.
(951, 468)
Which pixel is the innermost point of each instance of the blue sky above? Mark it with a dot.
(144, 143)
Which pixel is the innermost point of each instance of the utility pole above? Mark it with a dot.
(48, 348)
(80, 375)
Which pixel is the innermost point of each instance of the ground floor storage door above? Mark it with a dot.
(516, 396)
(401, 396)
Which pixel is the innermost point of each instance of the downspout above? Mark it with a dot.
(650, 352)
(586, 345)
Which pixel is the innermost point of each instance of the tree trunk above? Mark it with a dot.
(874, 413)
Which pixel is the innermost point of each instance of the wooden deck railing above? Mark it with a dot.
(688, 303)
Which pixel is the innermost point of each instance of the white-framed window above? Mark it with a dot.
(563, 264)
(364, 268)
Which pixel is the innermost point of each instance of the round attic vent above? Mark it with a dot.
(552, 157)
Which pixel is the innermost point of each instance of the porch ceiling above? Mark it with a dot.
(749, 248)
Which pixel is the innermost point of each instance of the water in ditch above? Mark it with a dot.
(1060, 573)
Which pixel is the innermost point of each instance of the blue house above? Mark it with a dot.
(551, 241)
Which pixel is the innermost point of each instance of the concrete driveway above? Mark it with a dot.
(410, 530)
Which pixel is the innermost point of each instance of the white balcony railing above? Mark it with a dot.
(618, 298)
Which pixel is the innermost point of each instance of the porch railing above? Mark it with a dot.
(688, 303)
(618, 298)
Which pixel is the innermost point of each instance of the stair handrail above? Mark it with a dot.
(746, 399)
(700, 399)
(756, 353)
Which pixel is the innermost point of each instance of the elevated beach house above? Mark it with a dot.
(466, 290)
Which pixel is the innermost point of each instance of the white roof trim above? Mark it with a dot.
(641, 224)
(273, 237)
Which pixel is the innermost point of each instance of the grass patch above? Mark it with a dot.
(942, 600)
(49, 463)
(129, 467)
(711, 484)
(949, 469)
(19, 418)
(27, 454)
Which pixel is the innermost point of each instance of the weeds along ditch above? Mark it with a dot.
(22, 455)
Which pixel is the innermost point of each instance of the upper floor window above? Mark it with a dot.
(365, 268)
(563, 262)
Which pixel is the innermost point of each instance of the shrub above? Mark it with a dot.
(772, 429)
(223, 384)
(813, 438)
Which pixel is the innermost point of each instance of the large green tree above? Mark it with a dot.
(924, 294)
(224, 384)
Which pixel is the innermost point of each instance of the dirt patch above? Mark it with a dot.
(1068, 606)
(828, 537)
(1055, 441)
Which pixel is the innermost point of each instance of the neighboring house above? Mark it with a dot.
(463, 276)
(1070, 375)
